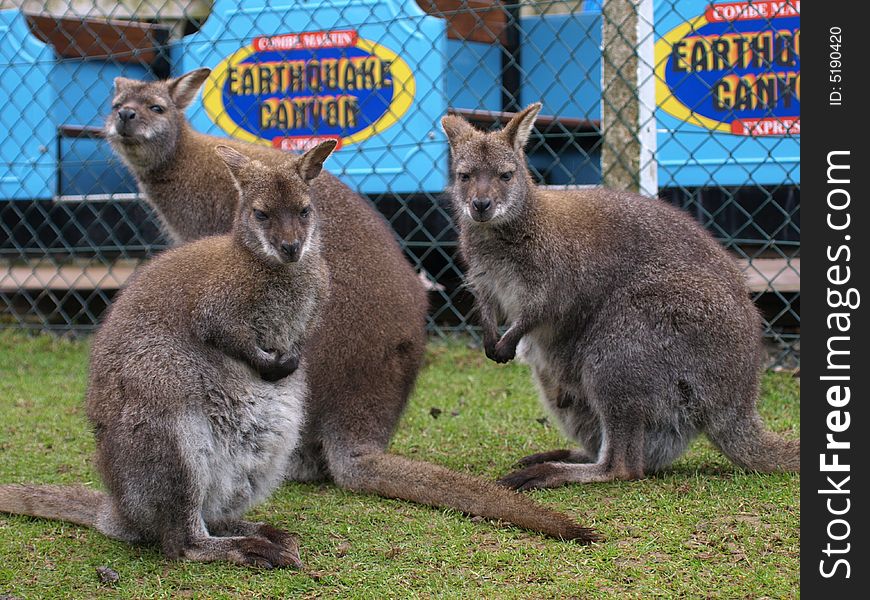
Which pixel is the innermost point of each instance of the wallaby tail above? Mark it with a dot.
(749, 444)
(72, 503)
(394, 476)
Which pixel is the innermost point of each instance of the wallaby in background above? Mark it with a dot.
(637, 325)
(197, 386)
(364, 358)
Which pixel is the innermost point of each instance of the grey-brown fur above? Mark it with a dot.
(364, 358)
(637, 324)
(197, 382)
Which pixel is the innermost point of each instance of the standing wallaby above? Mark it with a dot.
(197, 382)
(364, 357)
(637, 324)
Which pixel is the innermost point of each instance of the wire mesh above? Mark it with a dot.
(627, 88)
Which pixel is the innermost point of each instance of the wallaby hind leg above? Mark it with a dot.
(247, 551)
(563, 455)
(580, 424)
(621, 457)
(574, 416)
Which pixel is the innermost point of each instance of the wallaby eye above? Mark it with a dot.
(157, 108)
(464, 176)
(260, 215)
(305, 212)
(506, 176)
(116, 106)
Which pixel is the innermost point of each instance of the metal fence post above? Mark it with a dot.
(620, 152)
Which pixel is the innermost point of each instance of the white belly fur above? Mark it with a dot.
(240, 466)
(531, 351)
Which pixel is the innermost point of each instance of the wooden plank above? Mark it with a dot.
(122, 41)
(763, 275)
(489, 117)
(44, 275)
(80, 131)
(470, 20)
(772, 274)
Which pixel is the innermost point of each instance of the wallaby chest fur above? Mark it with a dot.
(581, 251)
(370, 342)
(638, 325)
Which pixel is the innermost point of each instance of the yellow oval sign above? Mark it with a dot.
(295, 90)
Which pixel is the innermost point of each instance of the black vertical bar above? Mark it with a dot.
(510, 60)
(161, 67)
(834, 291)
(59, 178)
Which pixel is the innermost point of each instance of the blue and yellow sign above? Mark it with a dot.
(292, 91)
(734, 69)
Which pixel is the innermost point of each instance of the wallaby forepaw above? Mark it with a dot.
(564, 399)
(284, 366)
(502, 352)
(543, 475)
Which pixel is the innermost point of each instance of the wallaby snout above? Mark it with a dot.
(291, 250)
(481, 205)
(126, 114)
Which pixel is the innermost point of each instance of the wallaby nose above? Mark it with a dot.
(126, 114)
(481, 206)
(291, 251)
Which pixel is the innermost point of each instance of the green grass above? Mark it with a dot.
(703, 529)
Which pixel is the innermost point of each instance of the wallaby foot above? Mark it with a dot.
(288, 542)
(621, 459)
(564, 455)
(555, 474)
(249, 551)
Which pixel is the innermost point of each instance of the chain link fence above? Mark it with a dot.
(694, 102)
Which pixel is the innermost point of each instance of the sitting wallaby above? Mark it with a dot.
(364, 358)
(197, 387)
(637, 325)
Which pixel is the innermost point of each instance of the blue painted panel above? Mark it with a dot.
(692, 149)
(83, 90)
(561, 63)
(88, 166)
(574, 167)
(405, 157)
(27, 146)
(473, 75)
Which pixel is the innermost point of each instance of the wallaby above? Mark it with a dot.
(364, 357)
(197, 386)
(637, 325)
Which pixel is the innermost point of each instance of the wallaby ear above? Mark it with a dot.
(456, 127)
(234, 160)
(518, 129)
(311, 163)
(183, 89)
(122, 83)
